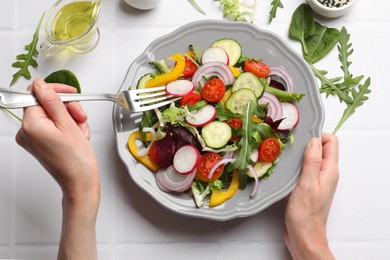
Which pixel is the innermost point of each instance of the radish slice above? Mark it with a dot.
(202, 117)
(213, 69)
(169, 180)
(186, 159)
(215, 54)
(290, 115)
(215, 167)
(180, 87)
(274, 106)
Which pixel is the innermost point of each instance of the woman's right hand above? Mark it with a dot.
(57, 135)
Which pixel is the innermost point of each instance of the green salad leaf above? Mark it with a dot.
(246, 142)
(28, 59)
(236, 10)
(66, 77)
(275, 5)
(317, 41)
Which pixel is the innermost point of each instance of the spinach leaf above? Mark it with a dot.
(65, 77)
(317, 41)
(302, 25)
(320, 42)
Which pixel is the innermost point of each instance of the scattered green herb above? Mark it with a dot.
(197, 6)
(317, 41)
(28, 59)
(65, 77)
(235, 10)
(275, 5)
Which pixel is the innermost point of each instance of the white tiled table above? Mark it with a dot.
(130, 223)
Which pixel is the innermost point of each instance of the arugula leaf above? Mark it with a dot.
(275, 5)
(225, 114)
(359, 97)
(28, 59)
(246, 142)
(316, 43)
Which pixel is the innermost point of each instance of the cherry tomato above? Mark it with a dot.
(207, 161)
(269, 150)
(153, 152)
(213, 90)
(190, 99)
(190, 67)
(234, 123)
(259, 68)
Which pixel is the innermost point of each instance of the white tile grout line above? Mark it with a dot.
(13, 201)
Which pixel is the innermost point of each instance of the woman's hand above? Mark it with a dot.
(309, 203)
(57, 134)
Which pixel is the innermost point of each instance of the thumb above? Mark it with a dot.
(312, 161)
(50, 101)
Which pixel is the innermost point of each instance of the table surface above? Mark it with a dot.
(130, 222)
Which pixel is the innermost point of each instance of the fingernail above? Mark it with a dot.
(315, 143)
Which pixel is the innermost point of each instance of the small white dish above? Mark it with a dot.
(332, 11)
(143, 4)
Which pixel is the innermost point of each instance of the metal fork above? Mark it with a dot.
(137, 100)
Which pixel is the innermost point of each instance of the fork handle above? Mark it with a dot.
(11, 98)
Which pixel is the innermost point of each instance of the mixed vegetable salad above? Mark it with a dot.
(235, 116)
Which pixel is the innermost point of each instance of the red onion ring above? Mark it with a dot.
(223, 161)
(274, 107)
(255, 189)
(278, 74)
(213, 69)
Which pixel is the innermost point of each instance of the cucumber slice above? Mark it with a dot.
(142, 81)
(232, 48)
(261, 168)
(239, 100)
(250, 81)
(216, 134)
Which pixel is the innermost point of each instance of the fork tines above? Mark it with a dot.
(151, 98)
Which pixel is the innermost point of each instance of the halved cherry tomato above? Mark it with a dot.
(190, 99)
(213, 90)
(259, 68)
(269, 150)
(234, 123)
(190, 67)
(207, 161)
(153, 152)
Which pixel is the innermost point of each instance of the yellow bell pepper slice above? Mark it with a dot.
(174, 74)
(228, 93)
(218, 197)
(133, 147)
(236, 71)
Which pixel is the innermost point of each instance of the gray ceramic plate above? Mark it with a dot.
(257, 43)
